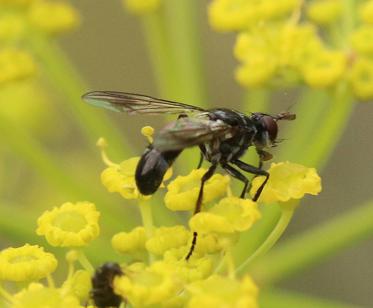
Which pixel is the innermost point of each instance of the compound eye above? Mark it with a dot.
(271, 127)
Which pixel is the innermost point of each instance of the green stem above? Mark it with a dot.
(160, 55)
(183, 32)
(284, 299)
(30, 150)
(147, 220)
(274, 236)
(66, 79)
(300, 132)
(331, 129)
(315, 245)
(84, 262)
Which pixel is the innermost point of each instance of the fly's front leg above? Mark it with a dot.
(254, 170)
(200, 160)
(239, 176)
(197, 209)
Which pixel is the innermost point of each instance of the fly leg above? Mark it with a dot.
(254, 170)
(239, 176)
(200, 160)
(197, 209)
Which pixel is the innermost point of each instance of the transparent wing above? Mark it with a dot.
(188, 132)
(136, 103)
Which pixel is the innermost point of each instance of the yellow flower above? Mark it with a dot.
(141, 6)
(324, 12)
(257, 69)
(70, 225)
(15, 65)
(362, 39)
(121, 179)
(229, 215)
(12, 27)
(287, 181)
(165, 238)
(365, 11)
(79, 285)
(29, 262)
(231, 15)
(297, 42)
(130, 242)
(196, 268)
(271, 9)
(149, 286)
(324, 68)
(183, 192)
(218, 291)
(38, 296)
(53, 16)
(361, 78)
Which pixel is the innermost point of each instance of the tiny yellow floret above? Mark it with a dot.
(324, 12)
(38, 296)
(53, 17)
(361, 78)
(287, 181)
(15, 64)
(231, 214)
(70, 225)
(29, 262)
(324, 69)
(149, 286)
(165, 238)
(219, 291)
(121, 179)
(183, 192)
(132, 242)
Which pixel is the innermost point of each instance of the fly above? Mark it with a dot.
(223, 136)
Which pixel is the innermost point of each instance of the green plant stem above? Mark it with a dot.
(331, 129)
(183, 32)
(66, 80)
(147, 221)
(84, 262)
(32, 152)
(159, 49)
(271, 240)
(301, 132)
(315, 245)
(285, 299)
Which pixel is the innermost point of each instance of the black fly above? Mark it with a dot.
(223, 136)
(102, 292)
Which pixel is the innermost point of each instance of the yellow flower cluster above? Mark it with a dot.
(279, 47)
(287, 181)
(15, 64)
(22, 18)
(157, 272)
(71, 225)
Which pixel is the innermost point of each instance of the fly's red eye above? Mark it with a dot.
(271, 127)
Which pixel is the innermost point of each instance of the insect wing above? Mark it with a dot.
(136, 103)
(188, 132)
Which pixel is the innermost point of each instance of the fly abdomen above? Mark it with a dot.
(151, 169)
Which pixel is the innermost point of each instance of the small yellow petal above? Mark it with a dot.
(183, 192)
(287, 181)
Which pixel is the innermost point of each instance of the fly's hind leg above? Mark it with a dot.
(197, 209)
(239, 176)
(254, 170)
